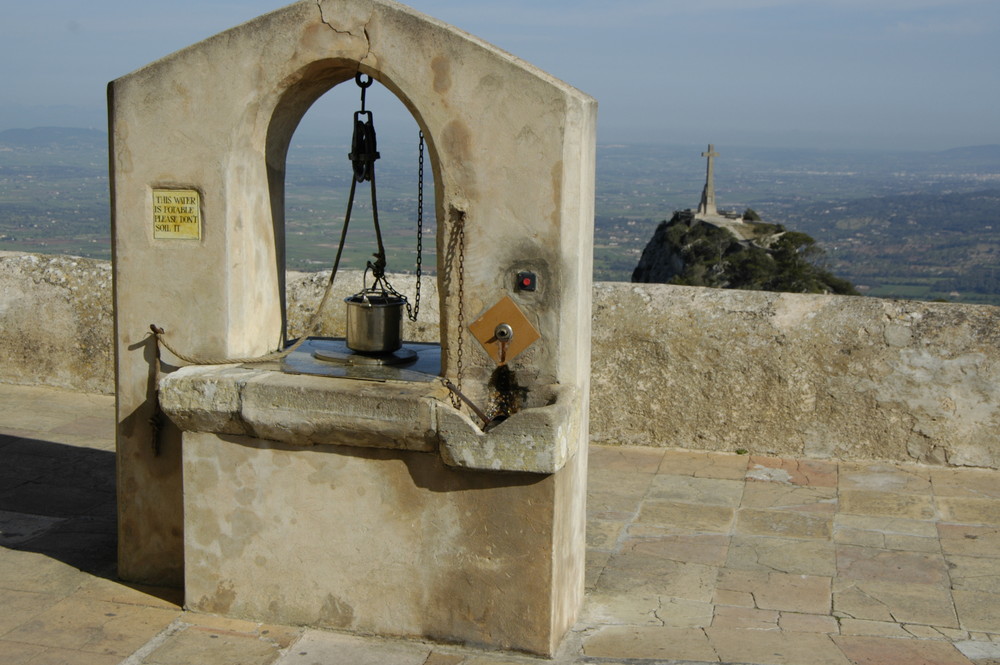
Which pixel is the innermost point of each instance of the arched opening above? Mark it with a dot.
(310, 195)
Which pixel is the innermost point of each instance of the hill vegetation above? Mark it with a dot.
(692, 252)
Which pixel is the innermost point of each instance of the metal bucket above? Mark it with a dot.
(374, 323)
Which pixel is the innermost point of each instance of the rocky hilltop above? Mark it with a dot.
(735, 252)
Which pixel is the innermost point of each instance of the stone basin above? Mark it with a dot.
(304, 410)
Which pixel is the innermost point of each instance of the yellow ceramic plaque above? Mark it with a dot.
(176, 214)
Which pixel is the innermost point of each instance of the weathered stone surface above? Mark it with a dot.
(654, 347)
(872, 628)
(783, 523)
(744, 618)
(900, 602)
(910, 479)
(969, 540)
(704, 465)
(381, 541)
(890, 525)
(792, 498)
(539, 439)
(778, 591)
(810, 473)
(302, 410)
(704, 548)
(603, 535)
(657, 643)
(977, 610)
(687, 517)
(626, 572)
(807, 623)
(616, 609)
(970, 573)
(970, 483)
(702, 491)
(885, 651)
(310, 410)
(333, 649)
(807, 556)
(774, 647)
(968, 511)
(800, 375)
(55, 320)
(879, 565)
(886, 504)
(979, 652)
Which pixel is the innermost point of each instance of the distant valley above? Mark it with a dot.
(906, 225)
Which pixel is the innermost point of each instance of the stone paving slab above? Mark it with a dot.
(693, 558)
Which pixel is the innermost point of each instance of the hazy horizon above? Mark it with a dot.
(312, 136)
(876, 74)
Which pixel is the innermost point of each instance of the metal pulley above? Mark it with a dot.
(364, 144)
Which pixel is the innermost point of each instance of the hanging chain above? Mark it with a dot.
(459, 371)
(412, 312)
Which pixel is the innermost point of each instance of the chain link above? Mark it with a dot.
(412, 312)
(459, 370)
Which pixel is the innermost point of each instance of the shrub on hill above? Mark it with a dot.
(692, 252)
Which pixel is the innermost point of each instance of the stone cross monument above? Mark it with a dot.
(707, 205)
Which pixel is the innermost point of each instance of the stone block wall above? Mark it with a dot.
(803, 375)
(56, 322)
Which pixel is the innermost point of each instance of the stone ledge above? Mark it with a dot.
(318, 410)
(301, 410)
(539, 439)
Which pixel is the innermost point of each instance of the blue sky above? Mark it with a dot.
(885, 74)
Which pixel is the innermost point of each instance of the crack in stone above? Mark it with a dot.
(624, 535)
(656, 612)
(365, 35)
(711, 646)
(876, 600)
(240, 419)
(810, 478)
(368, 41)
(906, 627)
(756, 558)
(600, 575)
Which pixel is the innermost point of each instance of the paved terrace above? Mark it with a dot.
(693, 558)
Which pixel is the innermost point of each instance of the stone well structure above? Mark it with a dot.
(375, 507)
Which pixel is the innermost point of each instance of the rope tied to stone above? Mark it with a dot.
(159, 333)
(311, 328)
